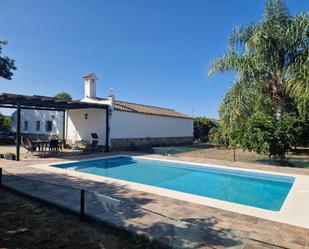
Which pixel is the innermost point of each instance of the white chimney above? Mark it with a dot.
(111, 97)
(90, 85)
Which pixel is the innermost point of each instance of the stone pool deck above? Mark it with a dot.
(171, 221)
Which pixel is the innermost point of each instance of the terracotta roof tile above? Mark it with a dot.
(147, 109)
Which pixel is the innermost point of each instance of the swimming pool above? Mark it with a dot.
(259, 190)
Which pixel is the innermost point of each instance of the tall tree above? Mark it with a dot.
(5, 122)
(63, 96)
(7, 65)
(271, 60)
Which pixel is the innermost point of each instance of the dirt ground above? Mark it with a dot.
(296, 158)
(26, 223)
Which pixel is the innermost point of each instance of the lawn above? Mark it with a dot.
(26, 223)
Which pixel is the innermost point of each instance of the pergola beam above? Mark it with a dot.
(9, 100)
(31, 108)
(44, 103)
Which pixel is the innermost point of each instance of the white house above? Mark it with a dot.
(39, 123)
(127, 123)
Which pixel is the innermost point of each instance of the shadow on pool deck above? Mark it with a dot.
(136, 213)
(170, 221)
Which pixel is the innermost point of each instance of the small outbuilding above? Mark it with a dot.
(123, 124)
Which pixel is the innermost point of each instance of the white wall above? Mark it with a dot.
(79, 128)
(122, 124)
(39, 115)
(136, 125)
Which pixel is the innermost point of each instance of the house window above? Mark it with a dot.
(25, 125)
(38, 125)
(49, 126)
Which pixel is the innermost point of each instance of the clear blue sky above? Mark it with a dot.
(149, 51)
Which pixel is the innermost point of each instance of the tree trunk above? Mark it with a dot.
(280, 108)
(277, 94)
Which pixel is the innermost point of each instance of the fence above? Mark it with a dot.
(209, 151)
(168, 231)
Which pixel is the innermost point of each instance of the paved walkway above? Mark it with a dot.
(177, 223)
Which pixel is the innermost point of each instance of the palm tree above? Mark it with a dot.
(271, 60)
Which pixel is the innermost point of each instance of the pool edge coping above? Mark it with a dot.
(285, 215)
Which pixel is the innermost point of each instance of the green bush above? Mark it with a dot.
(202, 127)
(5, 122)
(218, 137)
(7, 154)
(267, 135)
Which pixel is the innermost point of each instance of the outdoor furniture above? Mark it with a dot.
(83, 145)
(41, 103)
(29, 146)
(60, 144)
(41, 145)
(94, 136)
(94, 145)
(54, 145)
(86, 146)
(95, 142)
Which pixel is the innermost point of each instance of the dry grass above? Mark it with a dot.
(25, 223)
(297, 159)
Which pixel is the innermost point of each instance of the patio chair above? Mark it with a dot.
(28, 145)
(60, 144)
(94, 136)
(94, 145)
(95, 142)
(54, 145)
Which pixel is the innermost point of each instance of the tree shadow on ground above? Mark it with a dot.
(174, 150)
(124, 208)
(195, 233)
(294, 162)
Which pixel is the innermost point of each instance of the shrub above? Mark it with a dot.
(9, 154)
(218, 137)
(5, 122)
(202, 127)
(267, 135)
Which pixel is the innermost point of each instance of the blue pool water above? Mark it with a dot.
(253, 189)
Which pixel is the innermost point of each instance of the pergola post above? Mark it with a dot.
(63, 128)
(44, 103)
(18, 131)
(107, 130)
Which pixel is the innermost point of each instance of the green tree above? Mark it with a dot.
(7, 65)
(5, 122)
(271, 60)
(63, 96)
(202, 126)
(218, 136)
(267, 135)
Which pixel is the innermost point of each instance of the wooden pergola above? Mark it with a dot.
(36, 102)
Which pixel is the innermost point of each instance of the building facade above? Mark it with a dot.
(38, 123)
(129, 124)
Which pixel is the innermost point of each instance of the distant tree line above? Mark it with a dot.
(5, 122)
(63, 96)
